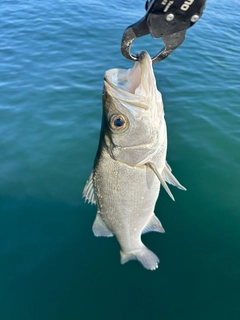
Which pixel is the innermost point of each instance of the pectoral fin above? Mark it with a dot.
(88, 191)
(169, 177)
(161, 179)
(166, 176)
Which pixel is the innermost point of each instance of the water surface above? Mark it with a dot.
(52, 58)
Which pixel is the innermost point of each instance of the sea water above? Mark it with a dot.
(53, 55)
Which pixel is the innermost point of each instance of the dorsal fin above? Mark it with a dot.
(88, 191)
(100, 229)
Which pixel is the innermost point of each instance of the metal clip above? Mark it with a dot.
(171, 42)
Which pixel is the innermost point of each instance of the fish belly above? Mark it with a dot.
(126, 198)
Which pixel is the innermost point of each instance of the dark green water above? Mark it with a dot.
(52, 58)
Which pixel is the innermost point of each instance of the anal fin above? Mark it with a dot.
(100, 229)
(153, 225)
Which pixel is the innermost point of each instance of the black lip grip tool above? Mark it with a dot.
(166, 19)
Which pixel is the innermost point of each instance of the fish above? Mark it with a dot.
(130, 163)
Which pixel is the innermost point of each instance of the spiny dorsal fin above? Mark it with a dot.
(155, 170)
(88, 191)
(153, 225)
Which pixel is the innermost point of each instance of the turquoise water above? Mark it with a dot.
(52, 58)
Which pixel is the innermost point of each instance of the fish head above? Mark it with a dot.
(132, 112)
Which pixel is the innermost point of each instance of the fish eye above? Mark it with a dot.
(118, 122)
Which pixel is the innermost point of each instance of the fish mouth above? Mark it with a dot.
(127, 84)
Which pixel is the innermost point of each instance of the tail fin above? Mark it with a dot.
(147, 258)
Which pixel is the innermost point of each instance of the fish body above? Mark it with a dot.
(130, 164)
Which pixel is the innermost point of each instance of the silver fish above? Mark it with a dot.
(130, 164)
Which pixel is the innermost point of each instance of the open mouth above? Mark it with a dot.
(131, 80)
